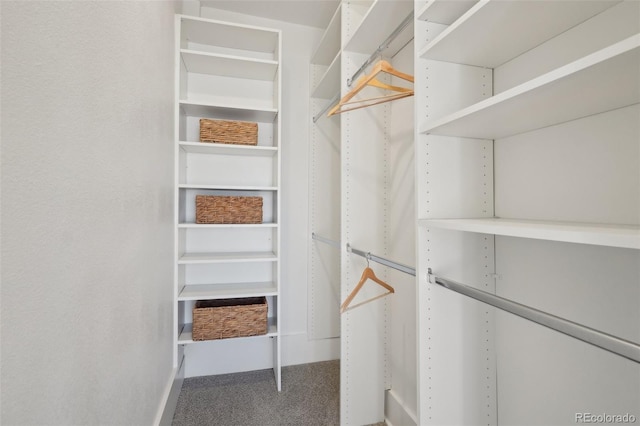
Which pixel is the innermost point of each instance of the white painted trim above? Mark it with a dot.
(164, 416)
(393, 405)
(300, 349)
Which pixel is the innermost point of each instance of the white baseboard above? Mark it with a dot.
(299, 349)
(164, 417)
(396, 412)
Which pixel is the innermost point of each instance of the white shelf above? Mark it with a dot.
(230, 257)
(329, 84)
(594, 234)
(444, 12)
(225, 225)
(329, 44)
(494, 32)
(227, 187)
(231, 36)
(603, 81)
(226, 112)
(228, 149)
(228, 65)
(227, 291)
(380, 21)
(186, 338)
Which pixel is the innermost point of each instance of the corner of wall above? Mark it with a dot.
(189, 7)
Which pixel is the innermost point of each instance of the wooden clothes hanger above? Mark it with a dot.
(373, 101)
(381, 66)
(367, 274)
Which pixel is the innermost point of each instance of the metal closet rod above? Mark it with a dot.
(613, 344)
(621, 347)
(325, 240)
(367, 255)
(383, 261)
(385, 44)
(333, 100)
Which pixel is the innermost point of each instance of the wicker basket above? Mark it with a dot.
(228, 209)
(230, 132)
(225, 318)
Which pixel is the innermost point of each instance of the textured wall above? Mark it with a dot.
(86, 204)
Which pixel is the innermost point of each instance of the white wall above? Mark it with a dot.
(298, 43)
(87, 113)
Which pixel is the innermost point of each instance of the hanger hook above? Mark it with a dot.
(368, 256)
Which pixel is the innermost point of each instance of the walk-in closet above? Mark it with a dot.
(321, 212)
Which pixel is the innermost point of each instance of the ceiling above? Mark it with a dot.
(314, 13)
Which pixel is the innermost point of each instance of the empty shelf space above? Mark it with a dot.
(380, 21)
(186, 338)
(228, 149)
(229, 257)
(228, 65)
(329, 44)
(443, 11)
(594, 234)
(225, 112)
(231, 36)
(600, 82)
(227, 291)
(329, 84)
(502, 30)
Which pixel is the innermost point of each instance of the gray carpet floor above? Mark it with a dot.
(310, 396)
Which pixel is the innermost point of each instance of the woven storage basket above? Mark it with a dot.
(225, 318)
(228, 209)
(230, 132)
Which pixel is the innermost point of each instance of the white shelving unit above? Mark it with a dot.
(325, 69)
(358, 159)
(231, 72)
(527, 147)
